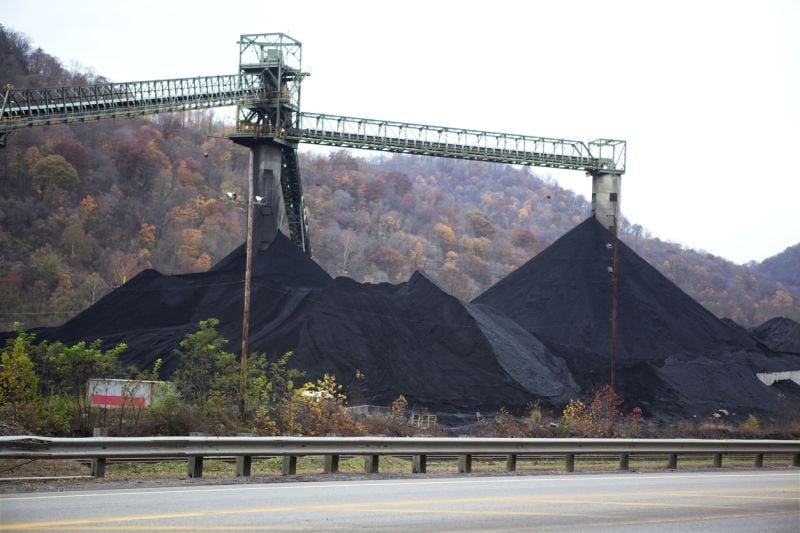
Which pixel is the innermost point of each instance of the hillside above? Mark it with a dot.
(85, 208)
(783, 268)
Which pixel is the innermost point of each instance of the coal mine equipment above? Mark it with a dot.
(266, 92)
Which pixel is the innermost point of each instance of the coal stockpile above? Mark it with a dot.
(564, 295)
(412, 339)
(540, 334)
(152, 312)
(780, 333)
(674, 357)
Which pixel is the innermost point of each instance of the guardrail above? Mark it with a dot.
(244, 449)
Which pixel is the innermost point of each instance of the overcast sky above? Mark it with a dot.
(706, 93)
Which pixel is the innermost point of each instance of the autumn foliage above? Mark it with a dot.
(84, 208)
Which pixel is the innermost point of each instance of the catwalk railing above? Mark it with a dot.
(24, 108)
(195, 449)
(598, 156)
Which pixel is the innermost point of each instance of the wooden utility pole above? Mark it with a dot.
(246, 311)
(614, 290)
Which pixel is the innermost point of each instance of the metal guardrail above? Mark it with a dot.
(245, 448)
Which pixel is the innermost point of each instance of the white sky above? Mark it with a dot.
(707, 93)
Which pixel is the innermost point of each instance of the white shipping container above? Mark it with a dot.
(127, 392)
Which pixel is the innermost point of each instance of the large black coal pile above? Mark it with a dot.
(564, 295)
(412, 339)
(674, 357)
(152, 312)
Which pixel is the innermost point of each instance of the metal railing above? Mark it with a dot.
(21, 108)
(195, 449)
(602, 155)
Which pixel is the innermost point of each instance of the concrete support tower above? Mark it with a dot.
(606, 196)
(274, 62)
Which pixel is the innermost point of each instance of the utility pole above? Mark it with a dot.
(614, 290)
(246, 311)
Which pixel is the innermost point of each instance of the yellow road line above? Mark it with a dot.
(327, 526)
(395, 506)
(659, 521)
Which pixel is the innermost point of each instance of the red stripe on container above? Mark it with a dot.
(100, 399)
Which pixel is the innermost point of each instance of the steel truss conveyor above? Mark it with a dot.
(266, 92)
(66, 105)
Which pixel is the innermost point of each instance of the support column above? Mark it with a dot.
(99, 463)
(717, 460)
(371, 464)
(673, 461)
(465, 463)
(569, 465)
(194, 463)
(606, 198)
(194, 466)
(511, 462)
(624, 461)
(331, 464)
(420, 464)
(759, 460)
(269, 215)
(244, 465)
(289, 465)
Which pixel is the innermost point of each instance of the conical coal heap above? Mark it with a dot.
(153, 311)
(563, 295)
(674, 358)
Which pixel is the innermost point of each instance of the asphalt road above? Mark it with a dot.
(722, 501)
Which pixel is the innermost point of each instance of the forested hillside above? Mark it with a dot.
(84, 208)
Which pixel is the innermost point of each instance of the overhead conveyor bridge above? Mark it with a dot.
(266, 92)
(68, 105)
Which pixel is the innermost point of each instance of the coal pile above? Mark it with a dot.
(540, 334)
(412, 339)
(780, 333)
(563, 295)
(674, 357)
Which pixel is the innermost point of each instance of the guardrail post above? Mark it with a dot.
(465, 463)
(194, 464)
(672, 464)
(419, 464)
(289, 465)
(331, 464)
(511, 462)
(371, 464)
(796, 459)
(717, 460)
(99, 463)
(625, 461)
(759, 460)
(569, 462)
(244, 463)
